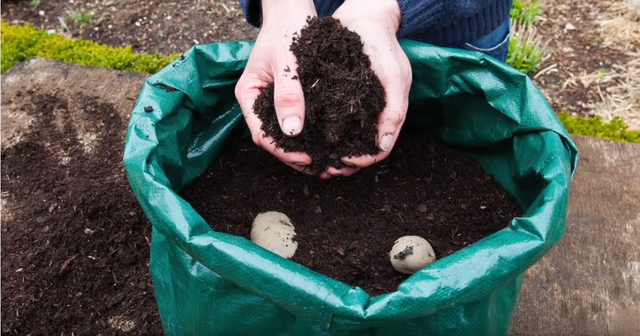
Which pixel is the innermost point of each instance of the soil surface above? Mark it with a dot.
(343, 96)
(584, 63)
(145, 25)
(346, 226)
(75, 243)
(575, 49)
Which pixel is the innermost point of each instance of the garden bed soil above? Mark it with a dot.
(75, 243)
(176, 26)
(346, 226)
(343, 96)
(144, 25)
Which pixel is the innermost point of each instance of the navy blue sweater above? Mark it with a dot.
(446, 23)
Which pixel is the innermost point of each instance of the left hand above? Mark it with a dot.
(377, 21)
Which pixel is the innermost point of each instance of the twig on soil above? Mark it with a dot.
(546, 70)
(67, 263)
(110, 253)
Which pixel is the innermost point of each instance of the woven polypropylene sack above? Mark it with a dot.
(212, 283)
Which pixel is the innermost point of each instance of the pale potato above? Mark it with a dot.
(274, 231)
(410, 254)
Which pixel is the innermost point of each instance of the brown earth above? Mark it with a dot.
(576, 46)
(346, 226)
(75, 243)
(147, 26)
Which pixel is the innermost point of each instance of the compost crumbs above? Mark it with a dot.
(74, 239)
(346, 226)
(343, 97)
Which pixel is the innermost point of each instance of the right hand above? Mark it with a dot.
(269, 59)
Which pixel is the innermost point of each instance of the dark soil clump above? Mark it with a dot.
(343, 96)
(346, 226)
(74, 239)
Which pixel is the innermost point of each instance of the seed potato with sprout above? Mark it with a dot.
(410, 254)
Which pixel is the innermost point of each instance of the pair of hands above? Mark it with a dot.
(376, 21)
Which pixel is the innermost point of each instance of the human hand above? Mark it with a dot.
(269, 62)
(377, 21)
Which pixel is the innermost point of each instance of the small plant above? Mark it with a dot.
(525, 11)
(526, 48)
(82, 18)
(523, 56)
(63, 24)
(602, 72)
(35, 3)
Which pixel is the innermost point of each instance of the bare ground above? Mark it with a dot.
(591, 66)
(147, 26)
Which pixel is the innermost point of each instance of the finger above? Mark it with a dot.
(288, 95)
(393, 116)
(325, 176)
(396, 84)
(362, 161)
(297, 158)
(343, 172)
(247, 90)
(389, 126)
(300, 168)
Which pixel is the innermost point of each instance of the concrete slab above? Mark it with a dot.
(589, 284)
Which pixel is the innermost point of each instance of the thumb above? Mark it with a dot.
(288, 97)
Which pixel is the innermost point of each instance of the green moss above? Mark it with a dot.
(616, 130)
(22, 42)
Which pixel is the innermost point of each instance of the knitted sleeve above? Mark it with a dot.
(442, 22)
(253, 11)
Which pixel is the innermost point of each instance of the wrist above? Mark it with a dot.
(276, 10)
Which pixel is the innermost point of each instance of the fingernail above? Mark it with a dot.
(385, 143)
(292, 126)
